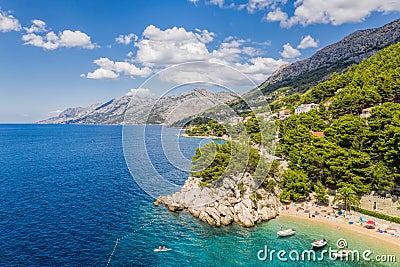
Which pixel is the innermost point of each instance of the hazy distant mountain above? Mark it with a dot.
(167, 110)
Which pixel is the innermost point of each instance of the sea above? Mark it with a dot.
(68, 198)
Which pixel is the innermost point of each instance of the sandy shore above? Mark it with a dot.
(342, 223)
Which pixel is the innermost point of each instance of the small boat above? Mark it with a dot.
(162, 250)
(287, 232)
(319, 243)
(341, 254)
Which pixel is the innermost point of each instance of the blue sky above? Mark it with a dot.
(67, 53)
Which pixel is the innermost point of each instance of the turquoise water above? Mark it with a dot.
(66, 195)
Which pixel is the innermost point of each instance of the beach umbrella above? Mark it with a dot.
(362, 219)
(371, 222)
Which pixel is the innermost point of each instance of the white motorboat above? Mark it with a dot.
(287, 232)
(319, 243)
(162, 249)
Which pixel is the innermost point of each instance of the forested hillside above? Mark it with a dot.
(361, 152)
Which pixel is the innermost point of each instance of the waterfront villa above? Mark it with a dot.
(305, 108)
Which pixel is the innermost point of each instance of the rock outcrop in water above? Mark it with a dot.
(231, 199)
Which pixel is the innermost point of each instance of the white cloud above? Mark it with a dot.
(229, 75)
(219, 3)
(158, 49)
(260, 68)
(109, 69)
(251, 6)
(289, 51)
(276, 15)
(126, 39)
(140, 92)
(204, 36)
(75, 39)
(256, 5)
(307, 42)
(37, 26)
(171, 46)
(52, 41)
(336, 12)
(251, 51)
(177, 45)
(193, 1)
(228, 51)
(8, 23)
(101, 73)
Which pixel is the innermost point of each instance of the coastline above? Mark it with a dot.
(342, 223)
(203, 137)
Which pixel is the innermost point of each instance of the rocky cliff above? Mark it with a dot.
(231, 199)
(141, 110)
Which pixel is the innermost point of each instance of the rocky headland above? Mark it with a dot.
(229, 199)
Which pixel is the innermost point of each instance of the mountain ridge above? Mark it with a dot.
(337, 57)
(142, 110)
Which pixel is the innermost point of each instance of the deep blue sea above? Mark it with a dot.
(67, 195)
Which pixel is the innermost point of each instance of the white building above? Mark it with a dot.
(305, 108)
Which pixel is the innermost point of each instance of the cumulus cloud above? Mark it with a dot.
(289, 51)
(276, 15)
(101, 73)
(66, 38)
(219, 3)
(140, 92)
(307, 42)
(251, 6)
(126, 39)
(8, 23)
(109, 69)
(228, 51)
(335, 12)
(204, 36)
(259, 68)
(37, 26)
(256, 5)
(160, 48)
(171, 46)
